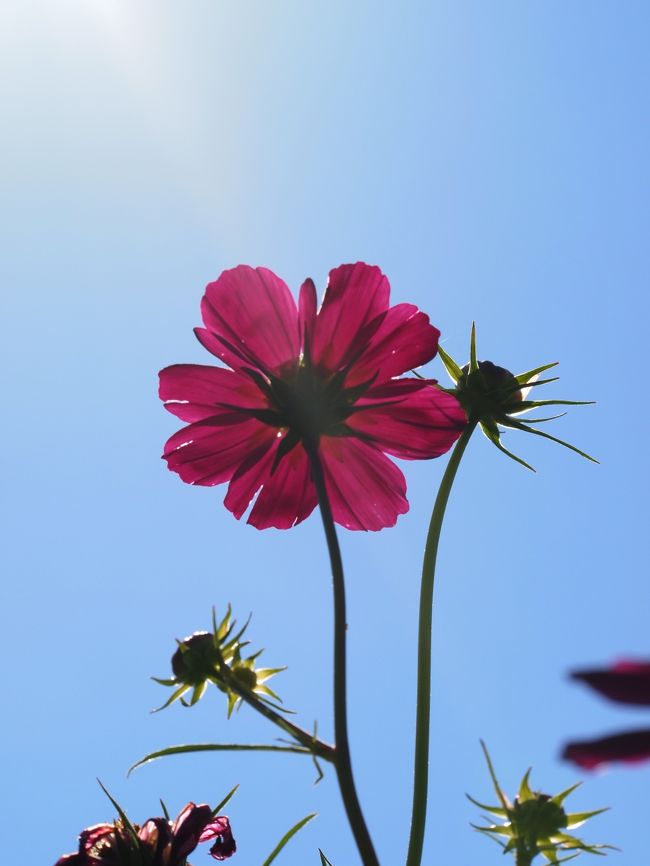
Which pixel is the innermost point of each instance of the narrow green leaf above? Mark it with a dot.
(494, 810)
(527, 405)
(120, 811)
(216, 747)
(180, 691)
(165, 810)
(450, 365)
(198, 693)
(524, 378)
(539, 382)
(473, 363)
(558, 799)
(287, 837)
(169, 682)
(524, 788)
(575, 819)
(323, 859)
(543, 420)
(495, 439)
(225, 800)
(518, 425)
(319, 771)
(500, 830)
(502, 797)
(265, 673)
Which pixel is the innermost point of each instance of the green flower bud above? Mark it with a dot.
(493, 398)
(535, 823)
(216, 657)
(196, 659)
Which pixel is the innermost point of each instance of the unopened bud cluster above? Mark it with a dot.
(217, 657)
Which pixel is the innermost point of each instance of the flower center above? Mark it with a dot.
(310, 404)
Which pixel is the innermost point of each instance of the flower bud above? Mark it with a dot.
(216, 657)
(493, 397)
(535, 823)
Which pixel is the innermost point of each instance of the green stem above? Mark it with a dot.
(423, 712)
(523, 858)
(309, 741)
(342, 761)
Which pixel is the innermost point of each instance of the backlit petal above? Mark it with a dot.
(254, 312)
(188, 829)
(288, 495)
(404, 340)
(423, 422)
(355, 299)
(366, 490)
(194, 392)
(206, 454)
(307, 303)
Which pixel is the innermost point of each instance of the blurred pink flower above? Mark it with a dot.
(626, 682)
(300, 376)
(632, 747)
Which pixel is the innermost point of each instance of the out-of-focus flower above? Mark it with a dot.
(302, 379)
(158, 842)
(216, 657)
(535, 823)
(626, 682)
(493, 397)
(632, 747)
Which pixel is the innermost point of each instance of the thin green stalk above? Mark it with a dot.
(423, 711)
(342, 759)
(309, 741)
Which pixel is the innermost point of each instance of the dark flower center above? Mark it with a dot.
(308, 402)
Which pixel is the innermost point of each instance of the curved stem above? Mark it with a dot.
(342, 760)
(423, 712)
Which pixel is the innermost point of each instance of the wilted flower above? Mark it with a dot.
(535, 823)
(494, 397)
(626, 682)
(158, 842)
(302, 380)
(216, 657)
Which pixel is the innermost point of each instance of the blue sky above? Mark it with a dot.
(492, 159)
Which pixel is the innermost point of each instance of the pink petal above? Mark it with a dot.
(288, 496)
(207, 454)
(307, 303)
(630, 748)
(420, 422)
(195, 392)
(355, 299)
(217, 827)
(89, 837)
(253, 472)
(366, 490)
(404, 340)
(188, 829)
(254, 312)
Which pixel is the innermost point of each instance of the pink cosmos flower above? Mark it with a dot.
(157, 843)
(305, 377)
(626, 682)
